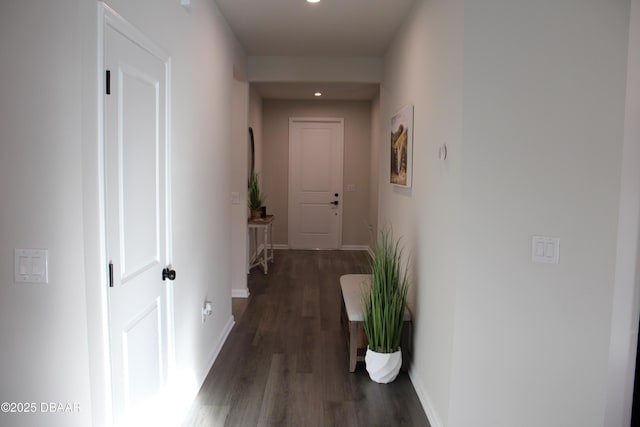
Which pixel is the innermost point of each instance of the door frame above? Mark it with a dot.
(290, 204)
(109, 17)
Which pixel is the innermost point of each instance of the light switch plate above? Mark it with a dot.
(235, 197)
(545, 249)
(31, 265)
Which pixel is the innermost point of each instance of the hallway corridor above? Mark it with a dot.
(285, 361)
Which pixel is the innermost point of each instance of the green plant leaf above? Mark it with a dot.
(385, 302)
(256, 197)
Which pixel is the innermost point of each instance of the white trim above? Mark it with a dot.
(240, 293)
(282, 246)
(193, 393)
(223, 338)
(121, 25)
(432, 416)
(354, 248)
(170, 287)
(105, 376)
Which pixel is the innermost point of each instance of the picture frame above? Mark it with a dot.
(401, 147)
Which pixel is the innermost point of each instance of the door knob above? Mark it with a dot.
(168, 273)
(335, 202)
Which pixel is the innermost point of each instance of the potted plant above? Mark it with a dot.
(256, 198)
(384, 305)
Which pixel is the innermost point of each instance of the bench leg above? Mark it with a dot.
(353, 346)
(405, 345)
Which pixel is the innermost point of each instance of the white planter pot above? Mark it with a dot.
(383, 367)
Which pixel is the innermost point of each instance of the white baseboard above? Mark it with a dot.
(342, 248)
(432, 416)
(354, 248)
(240, 293)
(223, 338)
(193, 392)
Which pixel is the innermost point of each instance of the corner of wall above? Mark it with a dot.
(624, 321)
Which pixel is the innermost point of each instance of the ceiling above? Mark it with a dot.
(333, 28)
(329, 91)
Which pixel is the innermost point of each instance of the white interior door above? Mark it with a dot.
(136, 172)
(315, 182)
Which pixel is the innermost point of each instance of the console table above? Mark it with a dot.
(262, 257)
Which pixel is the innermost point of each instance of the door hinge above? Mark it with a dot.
(108, 82)
(110, 274)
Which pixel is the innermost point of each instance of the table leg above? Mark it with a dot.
(255, 243)
(266, 251)
(273, 255)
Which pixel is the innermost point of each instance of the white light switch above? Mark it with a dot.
(23, 265)
(31, 265)
(539, 249)
(545, 249)
(235, 198)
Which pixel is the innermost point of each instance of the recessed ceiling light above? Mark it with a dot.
(313, 1)
(317, 93)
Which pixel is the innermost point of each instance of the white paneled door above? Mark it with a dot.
(137, 196)
(315, 182)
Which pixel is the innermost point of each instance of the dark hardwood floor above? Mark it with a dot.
(285, 362)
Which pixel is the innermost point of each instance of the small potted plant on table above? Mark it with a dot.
(256, 198)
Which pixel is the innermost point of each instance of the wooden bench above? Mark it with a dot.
(352, 317)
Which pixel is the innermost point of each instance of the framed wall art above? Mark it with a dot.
(402, 147)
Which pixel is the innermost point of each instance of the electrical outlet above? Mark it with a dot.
(207, 310)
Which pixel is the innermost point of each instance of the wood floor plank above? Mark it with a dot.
(307, 345)
(209, 416)
(340, 414)
(273, 410)
(285, 361)
(306, 407)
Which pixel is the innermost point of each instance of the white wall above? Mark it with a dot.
(314, 69)
(239, 171)
(374, 164)
(255, 121)
(50, 174)
(43, 327)
(423, 68)
(531, 105)
(542, 137)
